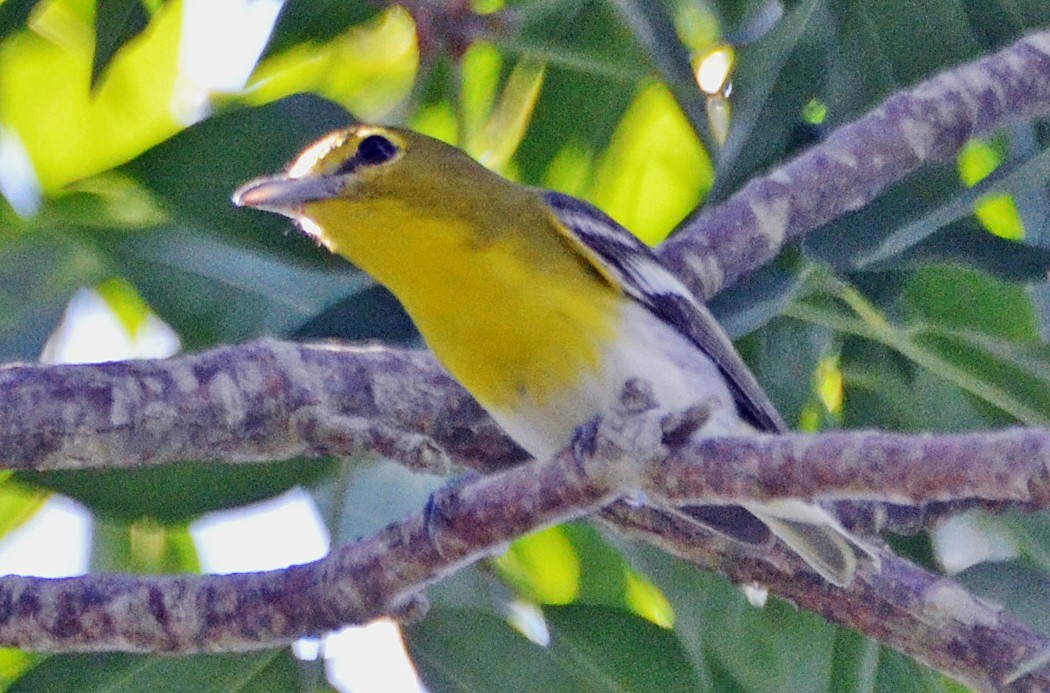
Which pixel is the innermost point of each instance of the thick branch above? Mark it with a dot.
(257, 402)
(929, 122)
(921, 614)
(1012, 465)
(355, 584)
(273, 400)
(924, 615)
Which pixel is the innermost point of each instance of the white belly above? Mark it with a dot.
(681, 375)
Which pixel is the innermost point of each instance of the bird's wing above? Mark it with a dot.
(615, 251)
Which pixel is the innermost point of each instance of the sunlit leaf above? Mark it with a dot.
(18, 504)
(69, 132)
(367, 68)
(654, 171)
(542, 566)
(593, 65)
(654, 27)
(142, 546)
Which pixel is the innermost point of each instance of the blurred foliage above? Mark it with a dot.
(926, 310)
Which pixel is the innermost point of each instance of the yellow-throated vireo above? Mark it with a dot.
(538, 303)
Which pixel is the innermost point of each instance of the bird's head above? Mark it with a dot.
(366, 176)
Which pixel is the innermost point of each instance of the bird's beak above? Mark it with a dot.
(283, 194)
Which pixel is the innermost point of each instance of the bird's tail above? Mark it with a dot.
(816, 536)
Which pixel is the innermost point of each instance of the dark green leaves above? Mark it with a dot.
(302, 21)
(13, 15)
(116, 23)
(264, 672)
(178, 493)
(591, 649)
(194, 173)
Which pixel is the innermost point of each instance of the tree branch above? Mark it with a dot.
(926, 616)
(1012, 465)
(922, 614)
(354, 584)
(927, 123)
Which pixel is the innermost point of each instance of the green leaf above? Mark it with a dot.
(860, 238)
(604, 574)
(997, 23)
(593, 67)
(195, 172)
(116, 23)
(177, 493)
(733, 645)
(1011, 378)
(1032, 534)
(142, 546)
(911, 213)
(261, 672)
(41, 270)
(617, 651)
(746, 306)
(882, 389)
(966, 242)
(881, 48)
(1023, 588)
(213, 291)
(899, 673)
(854, 663)
(775, 77)
(300, 21)
(372, 313)
(591, 648)
(13, 15)
(460, 649)
(962, 299)
(787, 374)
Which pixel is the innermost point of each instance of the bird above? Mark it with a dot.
(539, 304)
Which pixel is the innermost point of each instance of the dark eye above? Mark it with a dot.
(375, 149)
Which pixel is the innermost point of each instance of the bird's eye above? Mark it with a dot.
(375, 149)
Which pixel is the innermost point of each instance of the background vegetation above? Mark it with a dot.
(927, 310)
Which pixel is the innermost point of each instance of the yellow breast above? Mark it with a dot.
(514, 315)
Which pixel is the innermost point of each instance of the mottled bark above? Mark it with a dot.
(263, 401)
(922, 614)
